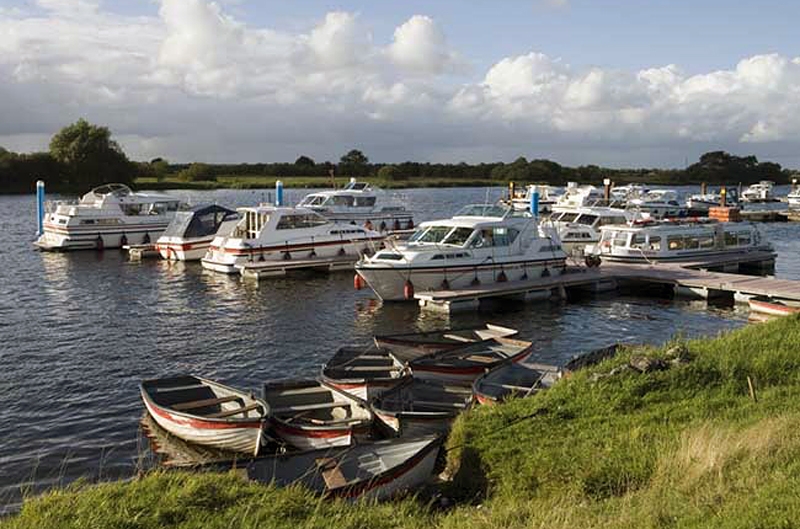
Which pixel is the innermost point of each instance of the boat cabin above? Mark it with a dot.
(199, 221)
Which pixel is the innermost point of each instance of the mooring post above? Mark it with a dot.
(278, 193)
(535, 203)
(39, 207)
(607, 190)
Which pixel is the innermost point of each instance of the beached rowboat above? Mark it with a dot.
(412, 345)
(772, 307)
(421, 406)
(364, 372)
(309, 414)
(205, 412)
(468, 362)
(514, 379)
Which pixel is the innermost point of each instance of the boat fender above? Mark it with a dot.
(287, 256)
(445, 284)
(408, 289)
(358, 282)
(368, 225)
(524, 275)
(501, 277)
(410, 225)
(312, 254)
(341, 251)
(146, 239)
(475, 282)
(123, 241)
(546, 272)
(396, 224)
(382, 227)
(261, 257)
(99, 242)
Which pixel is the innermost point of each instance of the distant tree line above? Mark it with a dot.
(83, 155)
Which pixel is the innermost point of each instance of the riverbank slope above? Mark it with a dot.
(685, 444)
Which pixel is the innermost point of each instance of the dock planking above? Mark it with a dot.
(694, 276)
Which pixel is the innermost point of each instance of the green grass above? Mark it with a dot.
(683, 447)
(268, 182)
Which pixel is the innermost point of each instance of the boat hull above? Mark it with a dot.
(61, 238)
(389, 283)
(244, 437)
(173, 249)
(772, 309)
(312, 438)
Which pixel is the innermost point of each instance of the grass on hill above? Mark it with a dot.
(687, 446)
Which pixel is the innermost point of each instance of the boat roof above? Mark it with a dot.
(352, 187)
(675, 224)
(594, 210)
(200, 209)
(270, 209)
(121, 191)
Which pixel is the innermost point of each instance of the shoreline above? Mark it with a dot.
(687, 441)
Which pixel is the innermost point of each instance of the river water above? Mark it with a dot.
(80, 330)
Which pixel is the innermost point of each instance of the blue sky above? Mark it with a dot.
(579, 81)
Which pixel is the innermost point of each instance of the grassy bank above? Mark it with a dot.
(268, 182)
(686, 445)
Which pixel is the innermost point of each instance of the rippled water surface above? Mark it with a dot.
(80, 330)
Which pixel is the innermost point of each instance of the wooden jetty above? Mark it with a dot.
(696, 279)
(265, 269)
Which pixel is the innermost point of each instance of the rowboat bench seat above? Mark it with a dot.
(230, 413)
(308, 407)
(204, 403)
(508, 386)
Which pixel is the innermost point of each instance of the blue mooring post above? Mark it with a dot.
(535, 204)
(39, 207)
(278, 193)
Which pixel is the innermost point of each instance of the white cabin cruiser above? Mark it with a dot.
(481, 244)
(275, 233)
(793, 198)
(190, 233)
(702, 202)
(357, 203)
(659, 204)
(109, 216)
(760, 192)
(628, 192)
(548, 196)
(677, 241)
(579, 227)
(576, 196)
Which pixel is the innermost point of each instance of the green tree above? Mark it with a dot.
(89, 155)
(354, 163)
(304, 161)
(197, 172)
(390, 172)
(354, 157)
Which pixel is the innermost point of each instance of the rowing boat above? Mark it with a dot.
(468, 362)
(772, 307)
(412, 345)
(205, 412)
(510, 379)
(364, 372)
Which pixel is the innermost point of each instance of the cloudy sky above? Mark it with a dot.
(612, 82)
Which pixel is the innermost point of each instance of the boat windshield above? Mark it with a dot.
(313, 200)
(431, 234)
(483, 210)
(118, 190)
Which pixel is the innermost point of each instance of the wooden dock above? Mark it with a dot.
(693, 278)
(265, 269)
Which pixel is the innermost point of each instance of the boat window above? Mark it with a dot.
(568, 217)
(389, 256)
(483, 210)
(342, 200)
(434, 234)
(654, 243)
(571, 235)
(550, 248)
(731, 239)
(675, 242)
(639, 241)
(364, 202)
(300, 221)
(586, 219)
(62, 221)
(494, 237)
(621, 238)
(313, 200)
(691, 243)
(458, 236)
(458, 255)
(251, 225)
(744, 238)
(585, 235)
(132, 209)
(707, 241)
(87, 221)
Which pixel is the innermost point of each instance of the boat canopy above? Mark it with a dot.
(200, 221)
(498, 210)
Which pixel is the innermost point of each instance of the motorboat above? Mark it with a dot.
(108, 216)
(793, 198)
(659, 204)
(358, 203)
(676, 241)
(205, 412)
(579, 227)
(419, 406)
(310, 414)
(773, 307)
(760, 192)
(410, 346)
(548, 196)
(364, 371)
(622, 194)
(576, 196)
(510, 379)
(484, 243)
(266, 234)
(468, 362)
(702, 202)
(189, 235)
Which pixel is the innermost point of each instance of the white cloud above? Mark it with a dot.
(193, 82)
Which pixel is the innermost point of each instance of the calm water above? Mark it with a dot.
(80, 330)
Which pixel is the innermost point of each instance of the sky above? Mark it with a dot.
(622, 83)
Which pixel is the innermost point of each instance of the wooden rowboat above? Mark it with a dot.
(419, 406)
(468, 362)
(205, 412)
(310, 414)
(772, 307)
(413, 345)
(364, 372)
(514, 379)
(377, 470)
